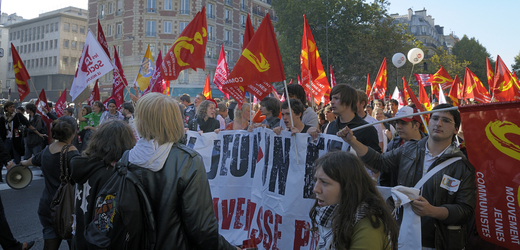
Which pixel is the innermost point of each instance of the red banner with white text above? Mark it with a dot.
(492, 133)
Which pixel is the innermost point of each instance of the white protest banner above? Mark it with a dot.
(259, 190)
(93, 64)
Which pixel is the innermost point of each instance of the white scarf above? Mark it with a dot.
(148, 154)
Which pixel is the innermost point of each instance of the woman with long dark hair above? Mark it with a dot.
(205, 120)
(63, 131)
(349, 212)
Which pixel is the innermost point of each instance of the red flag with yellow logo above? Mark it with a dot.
(409, 94)
(474, 89)
(441, 78)
(188, 50)
(456, 91)
(20, 74)
(493, 131)
(368, 88)
(207, 89)
(423, 98)
(381, 79)
(259, 65)
(506, 86)
(311, 66)
(490, 75)
(248, 33)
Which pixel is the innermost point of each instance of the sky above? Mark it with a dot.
(492, 23)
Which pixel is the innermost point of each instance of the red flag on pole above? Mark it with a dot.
(188, 50)
(368, 88)
(94, 96)
(490, 75)
(473, 88)
(207, 89)
(381, 79)
(157, 81)
(222, 74)
(101, 38)
(506, 87)
(248, 33)
(332, 78)
(441, 78)
(39, 109)
(60, 104)
(20, 74)
(456, 91)
(259, 64)
(423, 98)
(118, 81)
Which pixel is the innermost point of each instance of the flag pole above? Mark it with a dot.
(309, 74)
(292, 122)
(35, 91)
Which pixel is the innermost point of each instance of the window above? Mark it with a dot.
(150, 28)
(75, 28)
(152, 49)
(168, 27)
(45, 62)
(65, 43)
(50, 45)
(55, 44)
(47, 28)
(227, 36)
(182, 25)
(56, 26)
(241, 39)
(82, 29)
(210, 34)
(243, 21)
(33, 47)
(209, 52)
(150, 6)
(118, 48)
(74, 44)
(185, 7)
(184, 77)
(65, 61)
(41, 62)
(73, 61)
(18, 34)
(228, 54)
(36, 63)
(166, 47)
(227, 15)
(66, 27)
(119, 6)
(28, 48)
(46, 45)
(37, 46)
(52, 27)
(54, 60)
(168, 4)
(110, 10)
(101, 11)
(119, 30)
(109, 30)
(41, 45)
(210, 10)
(9, 66)
(243, 5)
(37, 32)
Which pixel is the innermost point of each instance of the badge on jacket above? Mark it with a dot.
(449, 183)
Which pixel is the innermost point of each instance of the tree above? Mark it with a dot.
(450, 63)
(360, 35)
(472, 51)
(516, 66)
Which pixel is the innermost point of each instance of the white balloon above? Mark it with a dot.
(415, 55)
(398, 60)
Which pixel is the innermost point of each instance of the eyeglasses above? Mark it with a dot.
(444, 119)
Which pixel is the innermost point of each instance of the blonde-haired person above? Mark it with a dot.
(174, 176)
(242, 117)
(205, 121)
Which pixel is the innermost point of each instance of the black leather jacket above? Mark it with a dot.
(182, 203)
(408, 159)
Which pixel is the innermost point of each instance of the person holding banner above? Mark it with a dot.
(205, 121)
(241, 119)
(175, 178)
(349, 212)
(309, 117)
(297, 112)
(447, 200)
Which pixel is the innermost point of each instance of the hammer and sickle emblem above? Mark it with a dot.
(503, 87)
(496, 133)
(183, 42)
(261, 64)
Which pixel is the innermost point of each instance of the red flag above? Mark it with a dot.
(423, 78)
(94, 96)
(118, 81)
(506, 86)
(456, 91)
(408, 92)
(60, 104)
(259, 64)
(473, 88)
(207, 89)
(441, 78)
(423, 98)
(39, 109)
(368, 88)
(313, 76)
(157, 83)
(492, 131)
(332, 78)
(381, 79)
(299, 81)
(20, 74)
(101, 39)
(490, 75)
(248, 33)
(222, 74)
(188, 50)
(119, 66)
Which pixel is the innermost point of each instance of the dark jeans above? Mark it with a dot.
(7, 240)
(10, 148)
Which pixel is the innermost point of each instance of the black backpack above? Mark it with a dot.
(123, 215)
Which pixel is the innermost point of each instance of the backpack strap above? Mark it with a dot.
(435, 170)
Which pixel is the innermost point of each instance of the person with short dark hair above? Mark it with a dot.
(270, 107)
(93, 169)
(51, 110)
(68, 111)
(33, 142)
(112, 113)
(20, 110)
(63, 132)
(309, 116)
(297, 109)
(189, 111)
(444, 210)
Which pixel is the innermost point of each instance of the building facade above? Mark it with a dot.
(423, 27)
(50, 47)
(130, 25)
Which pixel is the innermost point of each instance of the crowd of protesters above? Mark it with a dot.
(348, 213)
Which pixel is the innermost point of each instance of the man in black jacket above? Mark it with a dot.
(33, 142)
(444, 209)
